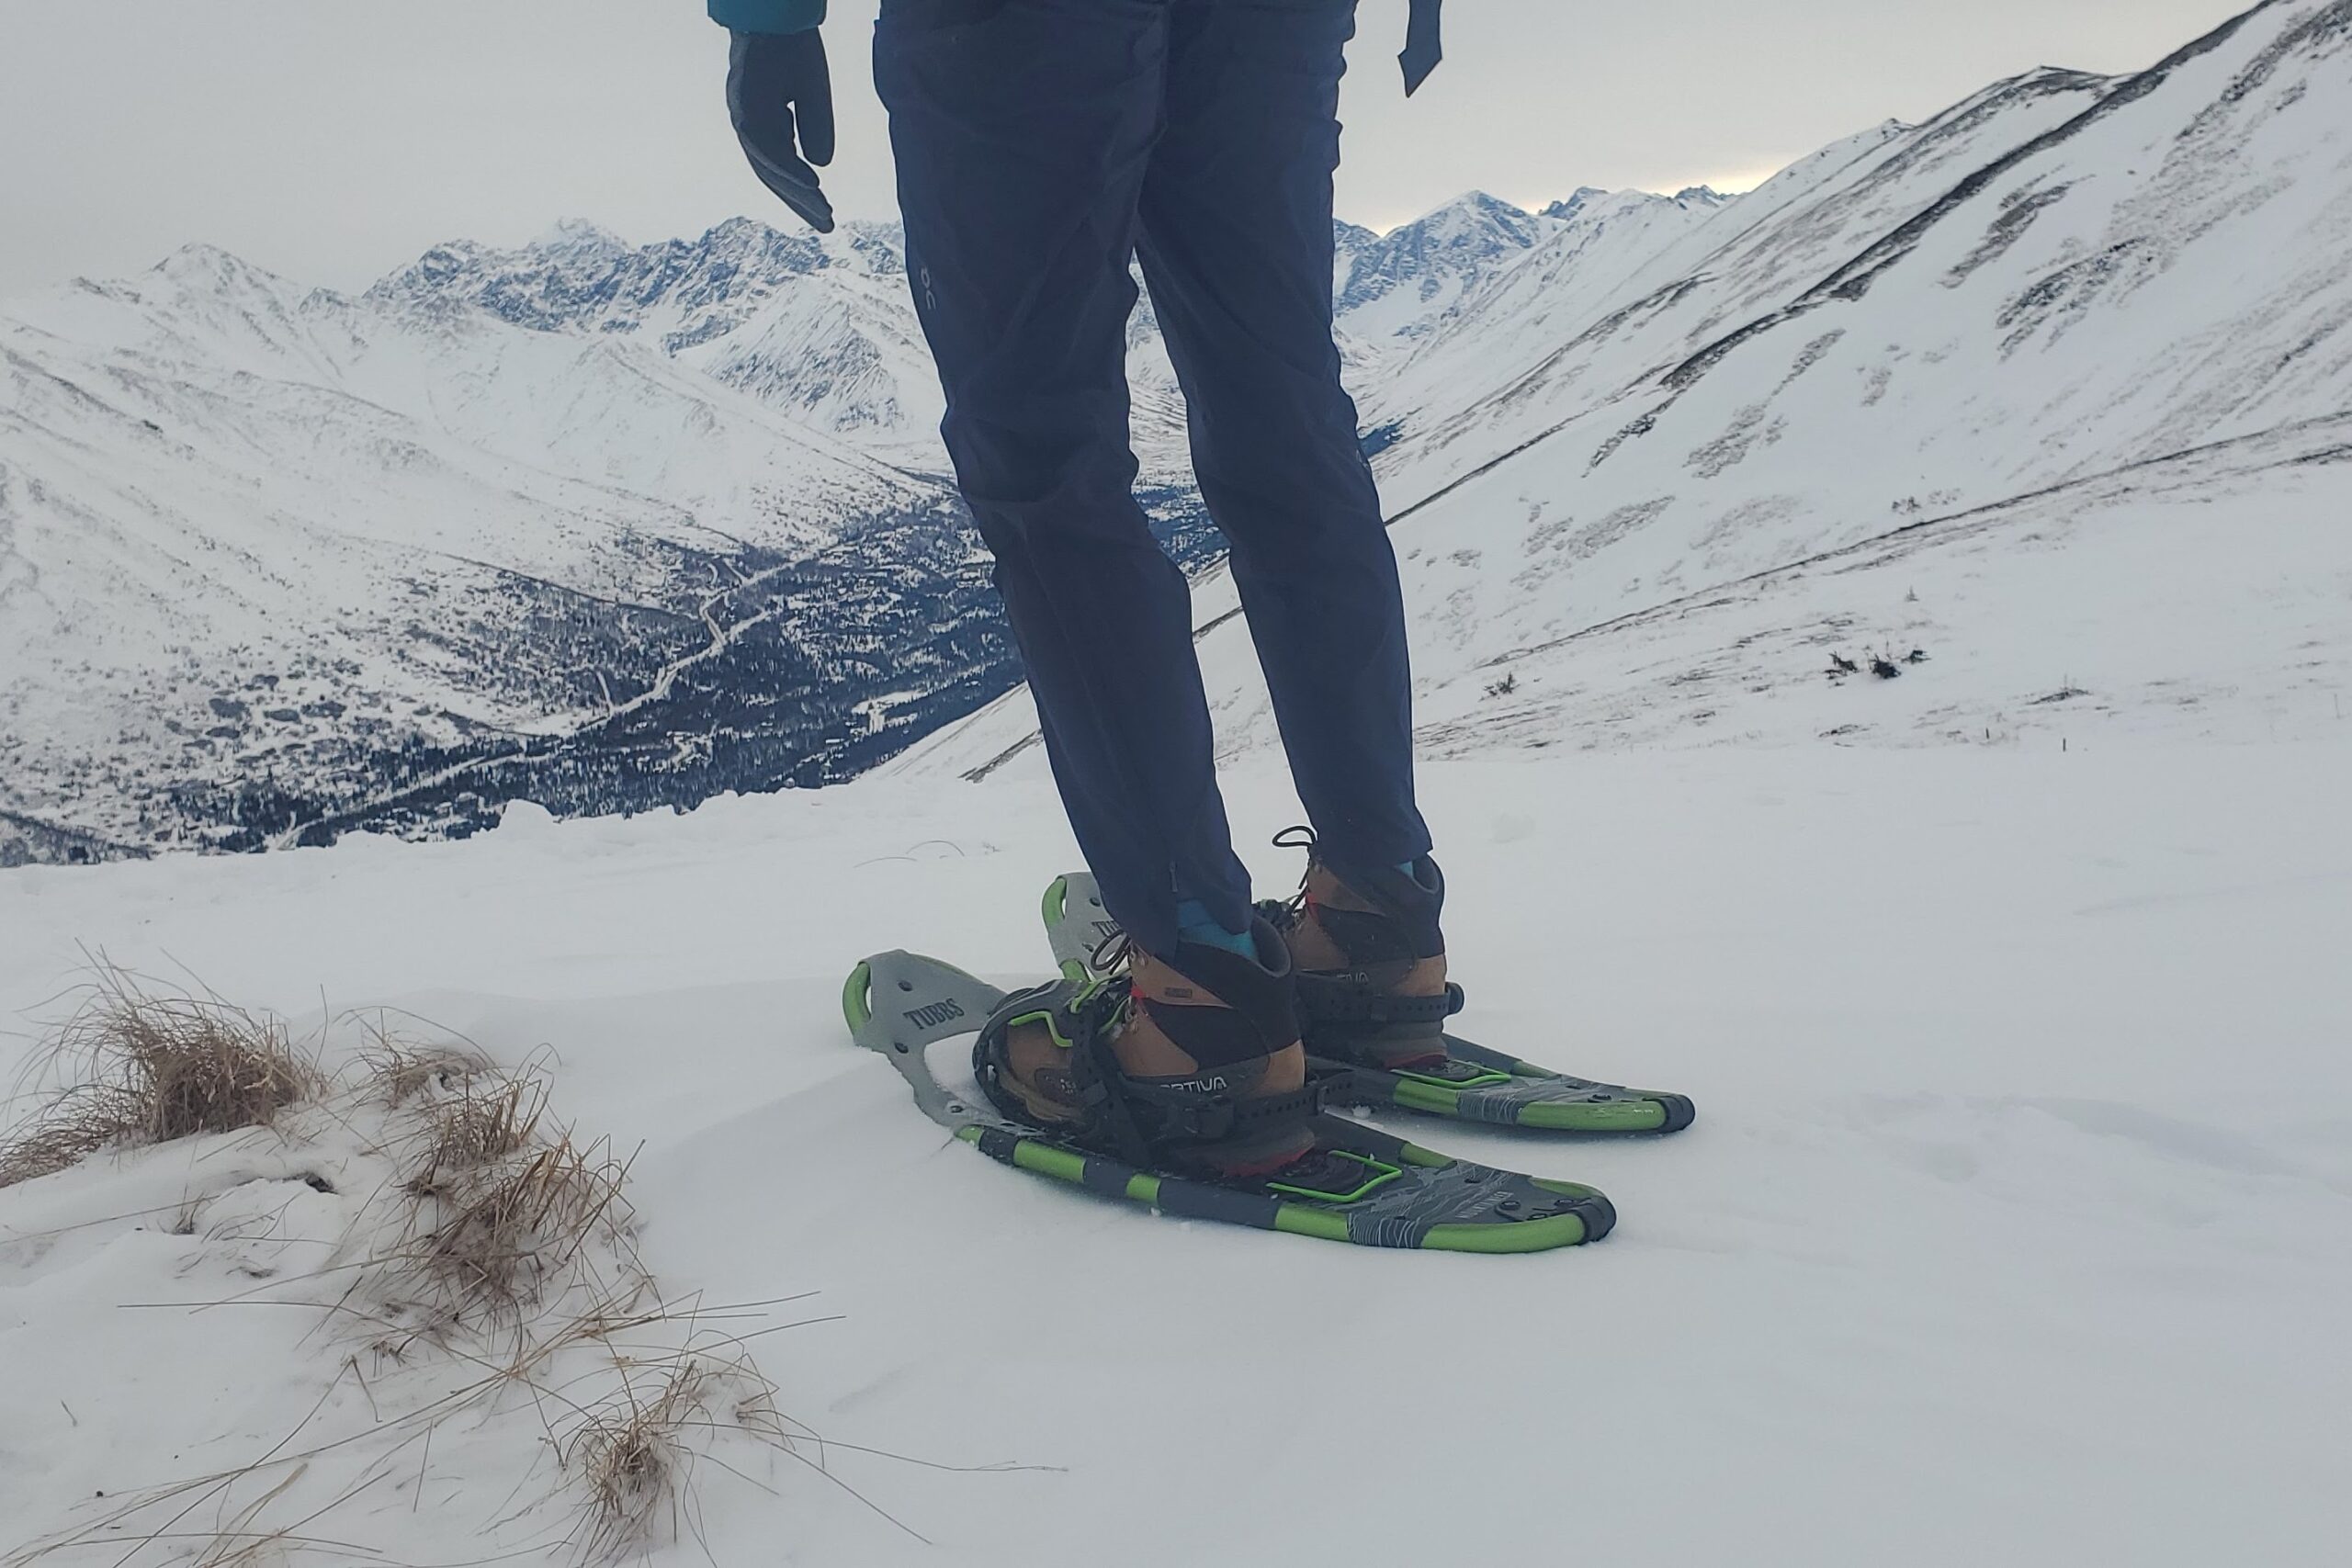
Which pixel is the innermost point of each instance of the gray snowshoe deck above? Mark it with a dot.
(898, 1004)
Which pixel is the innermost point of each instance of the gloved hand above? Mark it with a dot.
(770, 76)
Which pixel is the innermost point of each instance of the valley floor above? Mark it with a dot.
(2012, 1228)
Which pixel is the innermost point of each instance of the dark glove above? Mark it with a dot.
(769, 76)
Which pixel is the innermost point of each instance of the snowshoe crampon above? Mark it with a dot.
(1473, 1084)
(1361, 1185)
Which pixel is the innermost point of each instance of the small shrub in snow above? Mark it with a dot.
(631, 1456)
(139, 1065)
(502, 1237)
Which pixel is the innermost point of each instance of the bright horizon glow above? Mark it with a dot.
(334, 144)
(1739, 182)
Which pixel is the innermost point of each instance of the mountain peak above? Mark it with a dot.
(207, 266)
(1575, 201)
(741, 230)
(1474, 220)
(1474, 206)
(197, 256)
(578, 234)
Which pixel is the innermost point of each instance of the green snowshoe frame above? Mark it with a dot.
(1474, 1084)
(900, 1004)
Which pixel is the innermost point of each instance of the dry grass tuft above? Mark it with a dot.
(401, 1072)
(478, 1121)
(634, 1459)
(505, 1211)
(143, 1065)
(495, 1237)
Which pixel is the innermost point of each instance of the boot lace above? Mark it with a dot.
(1284, 914)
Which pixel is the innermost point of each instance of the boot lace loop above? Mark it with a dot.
(1286, 912)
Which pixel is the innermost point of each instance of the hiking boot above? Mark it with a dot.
(1192, 1063)
(1371, 962)
(1374, 1001)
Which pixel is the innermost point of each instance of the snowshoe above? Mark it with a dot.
(1353, 1184)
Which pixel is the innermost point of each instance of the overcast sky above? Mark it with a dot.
(331, 141)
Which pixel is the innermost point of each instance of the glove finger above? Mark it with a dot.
(740, 47)
(816, 104)
(794, 182)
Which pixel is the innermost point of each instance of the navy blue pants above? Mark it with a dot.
(1042, 145)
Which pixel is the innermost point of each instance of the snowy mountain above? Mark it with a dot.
(1394, 286)
(601, 525)
(613, 526)
(2055, 387)
(819, 327)
(266, 551)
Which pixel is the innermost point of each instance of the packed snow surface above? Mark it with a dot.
(2012, 1228)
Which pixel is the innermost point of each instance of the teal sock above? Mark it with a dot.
(1195, 924)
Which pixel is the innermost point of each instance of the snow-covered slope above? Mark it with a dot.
(247, 529)
(2019, 344)
(2205, 597)
(213, 331)
(818, 326)
(2058, 275)
(2011, 1231)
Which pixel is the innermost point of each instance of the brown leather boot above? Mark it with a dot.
(1193, 1062)
(1371, 964)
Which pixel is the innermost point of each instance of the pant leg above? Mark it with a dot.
(1237, 247)
(1023, 131)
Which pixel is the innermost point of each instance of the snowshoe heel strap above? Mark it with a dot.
(1165, 1116)
(1353, 997)
(1135, 1118)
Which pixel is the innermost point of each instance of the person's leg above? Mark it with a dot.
(1236, 247)
(1024, 129)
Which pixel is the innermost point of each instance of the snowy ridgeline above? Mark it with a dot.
(2011, 1230)
(610, 527)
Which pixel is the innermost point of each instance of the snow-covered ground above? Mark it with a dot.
(2012, 1228)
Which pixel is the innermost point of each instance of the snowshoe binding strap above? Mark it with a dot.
(1146, 1123)
(1356, 998)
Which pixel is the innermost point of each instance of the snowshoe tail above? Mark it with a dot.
(1474, 1083)
(1398, 1194)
